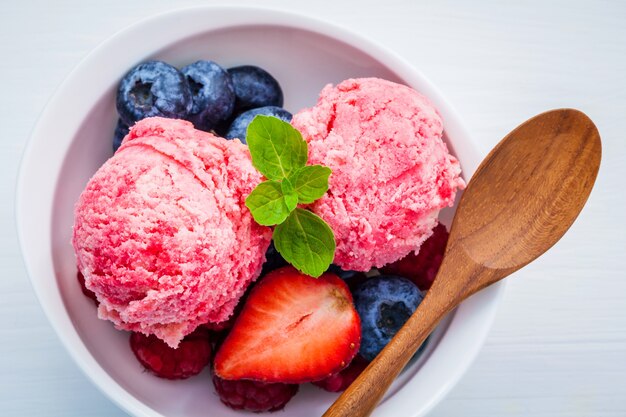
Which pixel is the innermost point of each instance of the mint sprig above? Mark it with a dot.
(280, 154)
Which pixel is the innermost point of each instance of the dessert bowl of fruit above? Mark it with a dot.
(225, 210)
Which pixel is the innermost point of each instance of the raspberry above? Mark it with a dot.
(86, 291)
(341, 380)
(221, 326)
(253, 395)
(422, 268)
(191, 356)
(219, 331)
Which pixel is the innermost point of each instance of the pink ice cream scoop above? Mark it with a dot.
(161, 231)
(391, 170)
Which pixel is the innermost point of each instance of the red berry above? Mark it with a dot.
(221, 326)
(83, 287)
(421, 268)
(341, 380)
(191, 356)
(292, 329)
(253, 395)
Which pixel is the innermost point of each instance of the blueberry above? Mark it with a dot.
(240, 124)
(352, 278)
(273, 260)
(121, 130)
(222, 128)
(255, 87)
(384, 304)
(341, 273)
(212, 93)
(153, 88)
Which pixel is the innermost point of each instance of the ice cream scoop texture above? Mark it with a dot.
(391, 171)
(161, 231)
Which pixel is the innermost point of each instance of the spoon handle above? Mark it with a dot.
(362, 396)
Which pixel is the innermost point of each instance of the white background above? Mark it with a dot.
(558, 346)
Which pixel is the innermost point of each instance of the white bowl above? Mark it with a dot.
(73, 138)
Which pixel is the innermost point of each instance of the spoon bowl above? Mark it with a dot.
(521, 200)
(532, 184)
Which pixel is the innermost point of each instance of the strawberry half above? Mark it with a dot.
(293, 329)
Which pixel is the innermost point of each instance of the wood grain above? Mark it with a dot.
(521, 200)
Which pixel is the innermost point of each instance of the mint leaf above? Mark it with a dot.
(267, 203)
(290, 195)
(277, 149)
(311, 182)
(306, 242)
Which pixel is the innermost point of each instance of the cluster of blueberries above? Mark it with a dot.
(212, 98)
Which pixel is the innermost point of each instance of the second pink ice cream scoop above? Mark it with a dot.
(391, 171)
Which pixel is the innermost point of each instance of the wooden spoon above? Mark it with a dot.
(523, 197)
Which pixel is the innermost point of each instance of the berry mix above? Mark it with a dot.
(270, 345)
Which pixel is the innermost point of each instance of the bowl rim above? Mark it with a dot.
(480, 309)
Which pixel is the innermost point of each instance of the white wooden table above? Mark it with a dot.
(558, 346)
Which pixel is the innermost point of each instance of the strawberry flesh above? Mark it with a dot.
(292, 329)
